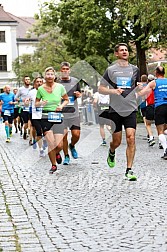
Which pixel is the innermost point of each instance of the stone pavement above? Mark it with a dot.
(84, 206)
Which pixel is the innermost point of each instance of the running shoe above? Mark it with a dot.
(34, 145)
(73, 151)
(45, 145)
(41, 153)
(165, 155)
(53, 169)
(151, 142)
(66, 160)
(160, 146)
(30, 142)
(8, 140)
(104, 143)
(130, 176)
(58, 158)
(111, 159)
(10, 133)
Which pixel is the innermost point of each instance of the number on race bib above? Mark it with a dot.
(26, 109)
(54, 117)
(38, 109)
(123, 82)
(71, 100)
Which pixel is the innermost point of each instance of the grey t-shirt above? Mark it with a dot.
(71, 86)
(23, 92)
(124, 77)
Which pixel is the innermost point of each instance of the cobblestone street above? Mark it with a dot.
(85, 206)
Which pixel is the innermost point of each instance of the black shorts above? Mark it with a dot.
(7, 118)
(150, 112)
(104, 117)
(16, 112)
(143, 112)
(118, 121)
(25, 116)
(57, 128)
(72, 123)
(36, 123)
(161, 114)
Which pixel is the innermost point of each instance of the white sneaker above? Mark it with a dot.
(41, 153)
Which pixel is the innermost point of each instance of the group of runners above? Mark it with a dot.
(46, 112)
(49, 109)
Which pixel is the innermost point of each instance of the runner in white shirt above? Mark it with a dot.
(36, 128)
(101, 102)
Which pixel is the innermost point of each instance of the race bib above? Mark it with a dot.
(104, 107)
(71, 100)
(26, 109)
(39, 109)
(7, 112)
(123, 82)
(36, 113)
(54, 117)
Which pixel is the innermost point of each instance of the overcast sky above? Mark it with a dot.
(22, 7)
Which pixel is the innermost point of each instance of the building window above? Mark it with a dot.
(3, 63)
(2, 36)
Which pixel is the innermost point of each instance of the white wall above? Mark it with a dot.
(26, 47)
(9, 49)
(13, 49)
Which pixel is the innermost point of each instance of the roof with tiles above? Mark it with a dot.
(4, 16)
(24, 24)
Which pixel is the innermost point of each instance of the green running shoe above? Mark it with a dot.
(111, 160)
(130, 176)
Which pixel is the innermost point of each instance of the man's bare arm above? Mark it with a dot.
(106, 91)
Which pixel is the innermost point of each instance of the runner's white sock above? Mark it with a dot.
(165, 132)
(162, 140)
(151, 137)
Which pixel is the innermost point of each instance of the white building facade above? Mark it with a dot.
(13, 43)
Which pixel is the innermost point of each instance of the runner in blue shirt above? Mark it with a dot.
(7, 101)
(159, 86)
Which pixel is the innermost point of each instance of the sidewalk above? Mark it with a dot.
(85, 206)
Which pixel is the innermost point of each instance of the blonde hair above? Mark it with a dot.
(50, 68)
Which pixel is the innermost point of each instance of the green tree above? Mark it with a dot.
(50, 51)
(143, 22)
(94, 27)
(24, 65)
(87, 28)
